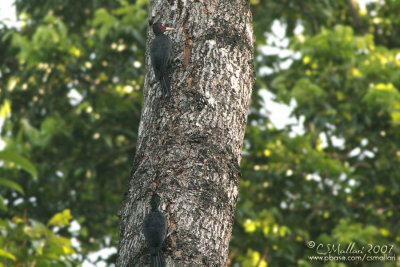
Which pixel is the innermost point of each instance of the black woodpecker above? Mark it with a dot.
(154, 230)
(161, 56)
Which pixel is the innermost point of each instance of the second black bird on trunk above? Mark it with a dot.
(161, 56)
(154, 230)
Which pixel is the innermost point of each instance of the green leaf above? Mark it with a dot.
(105, 20)
(8, 255)
(19, 160)
(2, 204)
(11, 184)
(306, 93)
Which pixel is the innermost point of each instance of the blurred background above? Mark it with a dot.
(321, 154)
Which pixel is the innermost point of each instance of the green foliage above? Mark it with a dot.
(309, 184)
(384, 98)
(72, 82)
(30, 242)
(71, 88)
(11, 160)
(347, 232)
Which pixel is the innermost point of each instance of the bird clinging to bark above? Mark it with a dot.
(154, 230)
(161, 56)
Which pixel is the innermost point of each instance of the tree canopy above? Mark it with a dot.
(71, 79)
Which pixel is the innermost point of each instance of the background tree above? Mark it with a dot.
(71, 89)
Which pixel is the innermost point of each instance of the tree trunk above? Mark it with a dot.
(189, 145)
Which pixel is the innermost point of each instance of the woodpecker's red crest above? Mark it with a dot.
(162, 27)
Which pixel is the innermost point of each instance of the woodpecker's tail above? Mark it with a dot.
(165, 86)
(157, 259)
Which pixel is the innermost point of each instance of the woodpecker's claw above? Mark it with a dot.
(178, 60)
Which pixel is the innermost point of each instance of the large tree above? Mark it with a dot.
(189, 145)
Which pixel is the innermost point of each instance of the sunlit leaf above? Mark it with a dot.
(5, 109)
(61, 219)
(7, 255)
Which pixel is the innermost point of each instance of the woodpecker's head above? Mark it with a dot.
(155, 202)
(159, 28)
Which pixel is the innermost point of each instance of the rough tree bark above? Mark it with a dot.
(189, 145)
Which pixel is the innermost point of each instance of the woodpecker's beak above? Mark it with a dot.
(169, 29)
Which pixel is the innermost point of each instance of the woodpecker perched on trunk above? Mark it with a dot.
(155, 229)
(161, 56)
